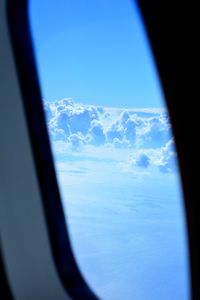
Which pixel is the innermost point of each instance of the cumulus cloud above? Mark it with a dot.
(97, 133)
(116, 131)
(168, 162)
(107, 125)
(163, 158)
(130, 130)
(155, 131)
(76, 140)
(145, 133)
(70, 117)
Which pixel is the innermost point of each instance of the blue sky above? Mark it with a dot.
(95, 52)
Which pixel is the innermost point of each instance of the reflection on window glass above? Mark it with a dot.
(113, 148)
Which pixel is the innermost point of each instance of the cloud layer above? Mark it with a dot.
(145, 134)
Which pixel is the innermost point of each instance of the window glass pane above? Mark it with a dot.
(113, 148)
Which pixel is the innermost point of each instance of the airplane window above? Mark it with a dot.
(113, 148)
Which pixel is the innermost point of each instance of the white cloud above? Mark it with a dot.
(145, 133)
(76, 140)
(169, 161)
(97, 133)
(155, 132)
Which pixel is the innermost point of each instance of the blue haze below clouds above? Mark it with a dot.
(127, 232)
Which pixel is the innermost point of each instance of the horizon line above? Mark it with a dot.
(134, 109)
